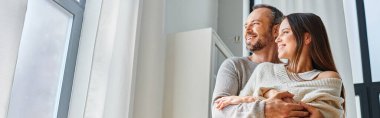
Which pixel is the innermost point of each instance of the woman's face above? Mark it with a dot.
(286, 41)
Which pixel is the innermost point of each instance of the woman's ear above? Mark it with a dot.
(307, 38)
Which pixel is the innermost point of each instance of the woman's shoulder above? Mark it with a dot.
(328, 74)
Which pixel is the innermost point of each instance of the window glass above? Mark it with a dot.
(41, 61)
(372, 21)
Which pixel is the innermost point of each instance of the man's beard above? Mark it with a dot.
(256, 47)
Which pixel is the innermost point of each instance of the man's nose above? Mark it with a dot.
(249, 29)
(254, 32)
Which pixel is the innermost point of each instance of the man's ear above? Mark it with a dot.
(275, 30)
(307, 38)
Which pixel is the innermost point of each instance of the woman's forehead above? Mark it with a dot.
(284, 24)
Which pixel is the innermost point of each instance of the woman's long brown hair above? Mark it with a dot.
(319, 50)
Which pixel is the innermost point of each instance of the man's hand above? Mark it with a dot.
(275, 107)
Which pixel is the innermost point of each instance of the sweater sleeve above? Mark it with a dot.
(244, 110)
(325, 95)
(226, 85)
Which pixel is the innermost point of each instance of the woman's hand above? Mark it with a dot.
(314, 112)
(276, 107)
(269, 93)
(232, 100)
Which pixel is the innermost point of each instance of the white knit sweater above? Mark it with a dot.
(323, 94)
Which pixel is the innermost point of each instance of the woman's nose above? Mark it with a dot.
(277, 39)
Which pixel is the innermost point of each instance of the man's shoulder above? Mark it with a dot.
(238, 63)
(266, 64)
(245, 61)
(236, 59)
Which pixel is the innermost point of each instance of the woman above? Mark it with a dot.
(310, 75)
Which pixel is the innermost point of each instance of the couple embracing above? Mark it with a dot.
(261, 86)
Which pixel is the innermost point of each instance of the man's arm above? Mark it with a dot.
(227, 85)
(226, 81)
(244, 110)
(273, 107)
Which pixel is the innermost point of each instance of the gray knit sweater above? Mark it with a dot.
(232, 76)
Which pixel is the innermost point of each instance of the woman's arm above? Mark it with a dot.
(324, 94)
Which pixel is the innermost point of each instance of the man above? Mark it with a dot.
(261, 29)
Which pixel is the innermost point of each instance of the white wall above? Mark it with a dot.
(230, 24)
(187, 86)
(12, 16)
(161, 17)
(185, 15)
(332, 15)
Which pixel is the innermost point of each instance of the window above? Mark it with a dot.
(369, 90)
(46, 59)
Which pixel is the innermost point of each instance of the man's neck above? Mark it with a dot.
(266, 54)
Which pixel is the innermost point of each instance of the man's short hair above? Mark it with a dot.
(277, 14)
